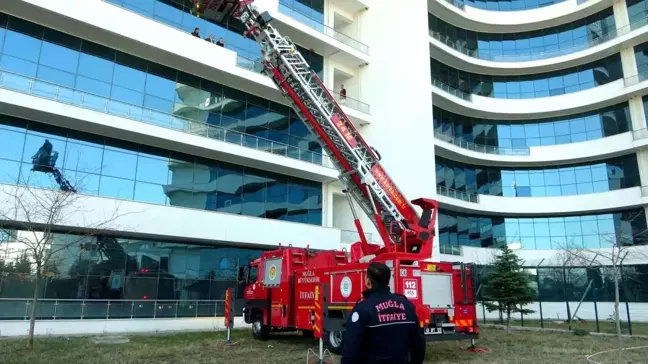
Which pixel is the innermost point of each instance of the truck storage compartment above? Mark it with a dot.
(437, 290)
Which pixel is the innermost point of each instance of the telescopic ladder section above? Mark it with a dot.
(398, 223)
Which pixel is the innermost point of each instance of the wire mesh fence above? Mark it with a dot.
(578, 298)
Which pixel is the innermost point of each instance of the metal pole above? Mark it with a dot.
(628, 314)
(321, 351)
(571, 319)
(541, 318)
(539, 299)
(598, 329)
(565, 291)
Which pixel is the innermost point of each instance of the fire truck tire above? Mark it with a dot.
(334, 341)
(259, 330)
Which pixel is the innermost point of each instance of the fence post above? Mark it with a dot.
(565, 292)
(484, 311)
(598, 329)
(628, 314)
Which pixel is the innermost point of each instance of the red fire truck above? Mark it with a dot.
(280, 291)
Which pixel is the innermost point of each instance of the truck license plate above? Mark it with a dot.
(433, 331)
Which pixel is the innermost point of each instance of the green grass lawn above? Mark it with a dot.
(604, 326)
(189, 348)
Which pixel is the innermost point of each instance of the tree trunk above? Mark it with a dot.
(508, 321)
(32, 316)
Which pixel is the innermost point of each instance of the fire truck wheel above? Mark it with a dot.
(334, 341)
(259, 330)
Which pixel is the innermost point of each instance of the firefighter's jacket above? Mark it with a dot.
(383, 328)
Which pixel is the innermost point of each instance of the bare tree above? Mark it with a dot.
(38, 215)
(620, 245)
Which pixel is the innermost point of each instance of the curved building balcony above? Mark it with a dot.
(36, 99)
(608, 147)
(457, 101)
(541, 206)
(167, 41)
(549, 14)
(497, 64)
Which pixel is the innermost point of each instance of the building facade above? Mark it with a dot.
(533, 127)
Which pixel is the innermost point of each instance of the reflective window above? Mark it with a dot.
(523, 134)
(613, 174)
(637, 10)
(105, 268)
(505, 5)
(313, 9)
(641, 55)
(525, 46)
(180, 14)
(530, 86)
(140, 88)
(590, 231)
(118, 169)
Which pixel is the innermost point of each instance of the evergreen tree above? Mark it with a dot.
(23, 264)
(508, 288)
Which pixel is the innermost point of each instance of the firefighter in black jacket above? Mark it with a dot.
(383, 327)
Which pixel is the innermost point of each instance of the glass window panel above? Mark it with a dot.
(160, 87)
(95, 67)
(119, 164)
(152, 169)
(151, 193)
(9, 171)
(59, 57)
(116, 187)
(129, 78)
(22, 46)
(54, 79)
(84, 157)
(11, 144)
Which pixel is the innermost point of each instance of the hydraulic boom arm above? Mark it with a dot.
(402, 230)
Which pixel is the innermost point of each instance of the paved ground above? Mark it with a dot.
(517, 347)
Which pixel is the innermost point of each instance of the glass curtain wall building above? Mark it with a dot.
(113, 168)
(538, 63)
(538, 85)
(582, 127)
(613, 174)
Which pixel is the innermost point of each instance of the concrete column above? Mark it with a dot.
(396, 84)
(621, 18)
(629, 63)
(637, 113)
(327, 205)
(642, 161)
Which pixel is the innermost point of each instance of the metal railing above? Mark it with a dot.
(100, 309)
(322, 28)
(449, 249)
(459, 195)
(67, 95)
(355, 104)
(351, 102)
(351, 236)
(640, 134)
(451, 90)
(635, 79)
(498, 57)
(480, 147)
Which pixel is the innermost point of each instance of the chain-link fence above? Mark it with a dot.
(579, 298)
